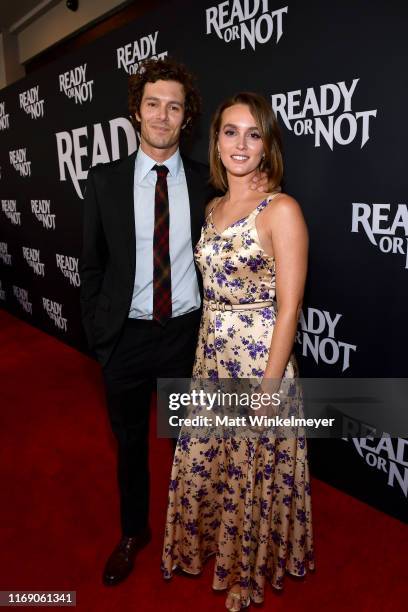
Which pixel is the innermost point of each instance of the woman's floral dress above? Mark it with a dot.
(245, 499)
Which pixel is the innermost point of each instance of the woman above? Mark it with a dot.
(245, 499)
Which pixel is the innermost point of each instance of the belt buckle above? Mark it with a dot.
(221, 306)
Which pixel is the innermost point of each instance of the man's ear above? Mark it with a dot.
(138, 117)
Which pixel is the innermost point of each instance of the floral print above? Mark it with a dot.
(245, 499)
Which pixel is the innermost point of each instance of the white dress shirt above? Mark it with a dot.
(185, 293)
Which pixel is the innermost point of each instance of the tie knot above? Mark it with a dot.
(162, 171)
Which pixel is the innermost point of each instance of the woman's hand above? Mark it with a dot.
(260, 182)
(270, 387)
(269, 408)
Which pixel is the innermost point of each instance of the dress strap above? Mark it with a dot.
(264, 203)
(215, 201)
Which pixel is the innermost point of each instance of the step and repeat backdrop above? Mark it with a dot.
(335, 74)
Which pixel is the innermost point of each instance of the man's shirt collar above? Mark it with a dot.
(144, 164)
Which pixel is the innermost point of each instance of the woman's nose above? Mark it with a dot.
(241, 144)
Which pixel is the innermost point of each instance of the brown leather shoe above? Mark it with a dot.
(121, 561)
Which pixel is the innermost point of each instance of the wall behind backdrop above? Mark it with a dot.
(335, 73)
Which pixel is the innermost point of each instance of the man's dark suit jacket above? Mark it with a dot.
(108, 259)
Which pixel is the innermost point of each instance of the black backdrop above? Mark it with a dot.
(336, 74)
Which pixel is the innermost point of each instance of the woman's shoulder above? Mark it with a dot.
(280, 202)
(281, 210)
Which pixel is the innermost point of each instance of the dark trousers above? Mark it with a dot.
(145, 351)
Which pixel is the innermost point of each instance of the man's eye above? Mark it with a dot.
(151, 104)
(175, 108)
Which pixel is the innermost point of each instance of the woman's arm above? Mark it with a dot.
(289, 237)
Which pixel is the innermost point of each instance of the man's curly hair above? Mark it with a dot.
(152, 70)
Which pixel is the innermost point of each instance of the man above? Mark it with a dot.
(140, 294)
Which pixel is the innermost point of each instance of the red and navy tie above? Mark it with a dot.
(161, 251)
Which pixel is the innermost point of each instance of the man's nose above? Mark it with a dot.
(163, 112)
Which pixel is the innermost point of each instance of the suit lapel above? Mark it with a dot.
(125, 189)
(196, 194)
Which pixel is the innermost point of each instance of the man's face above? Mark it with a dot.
(161, 115)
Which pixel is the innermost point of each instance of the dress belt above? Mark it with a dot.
(222, 306)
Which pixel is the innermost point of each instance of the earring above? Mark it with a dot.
(218, 154)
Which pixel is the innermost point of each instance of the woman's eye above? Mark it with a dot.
(255, 135)
(229, 132)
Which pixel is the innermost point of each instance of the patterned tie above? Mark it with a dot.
(161, 252)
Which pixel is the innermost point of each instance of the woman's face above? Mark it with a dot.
(239, 141)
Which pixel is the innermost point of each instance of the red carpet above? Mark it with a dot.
(59, 511)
